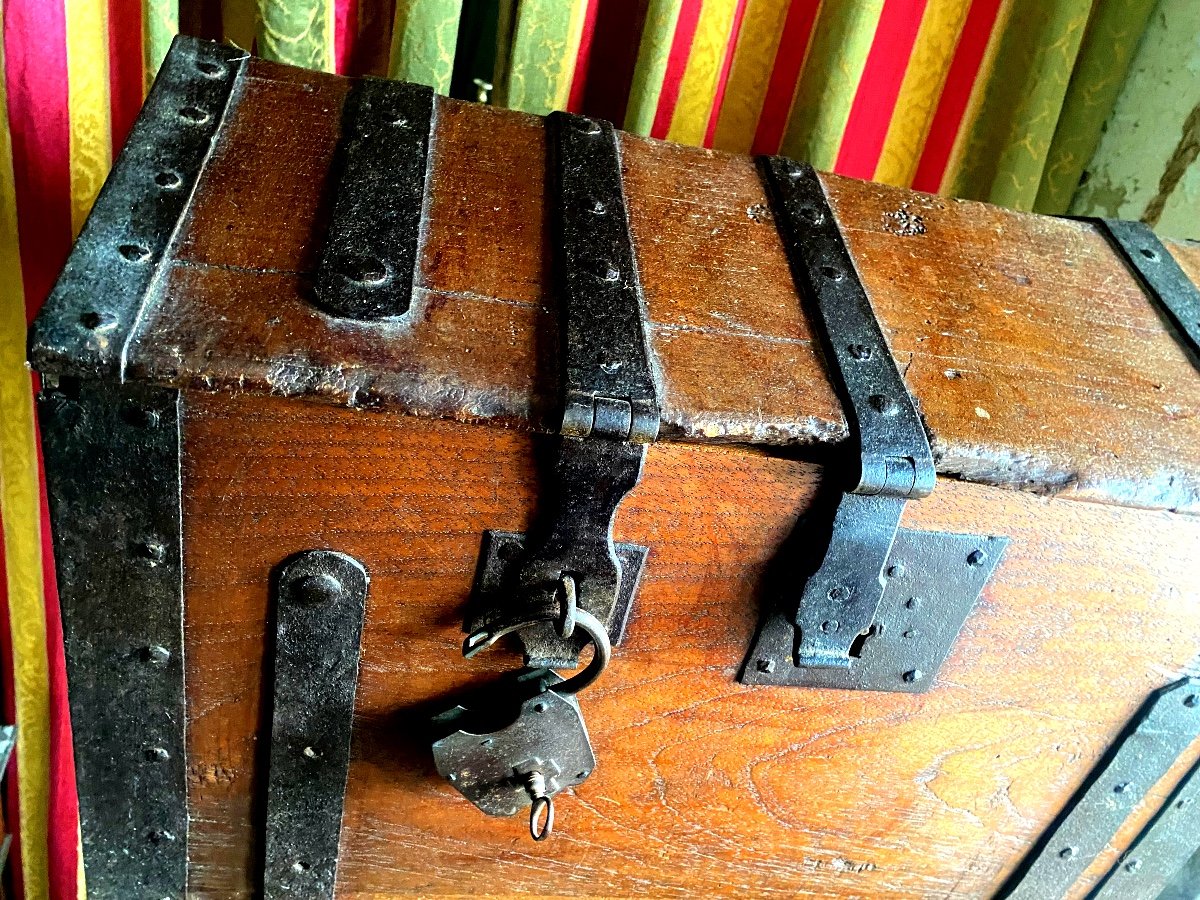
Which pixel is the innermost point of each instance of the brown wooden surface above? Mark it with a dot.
(1037, 359)
(704, 787)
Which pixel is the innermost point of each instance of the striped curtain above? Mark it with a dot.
(1080, 106)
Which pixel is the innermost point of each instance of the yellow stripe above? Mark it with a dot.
(924, 78)
(753, 60)
(987, 65)
(87, 92)
(20, 502)
(699, 84)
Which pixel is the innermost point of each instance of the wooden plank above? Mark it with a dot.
(1038, 362)
(704, 787)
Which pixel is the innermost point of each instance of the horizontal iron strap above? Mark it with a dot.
(609, 386)
(894, 449)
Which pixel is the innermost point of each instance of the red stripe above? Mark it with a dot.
(12, 808)
(723, 79)
(785, 76)
(681, 49)
(126, 68)
(35, 67)
(952, 106)
(583, 58)
(875, 99)
(345, 34)
(63, 850)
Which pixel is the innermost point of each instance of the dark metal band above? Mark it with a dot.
(370, 256)
(1160, 276)
(1162, 729)
(609, 387)
(112, 474)
(93, 311)
(320, 604)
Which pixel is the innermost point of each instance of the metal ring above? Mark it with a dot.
(535, 811)
(570, 606)
(598, 634)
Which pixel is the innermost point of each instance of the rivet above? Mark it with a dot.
(134, 252)
(453, 776)
(1121, 788)
(912, 602)
(883, 405)
(1067, 853)
(486, 742)
(158, 753)
(911, 633)
(913, 675)
(612, 273)
(399, 122)
(584, 774)
(139, 416)
(830, 625)
(299, 867)
(539, 707)
(210, 69)
(1191, 700)
(318, 589)
(168, 180)
(897, 571)
(976, 558)
(309, 752)
(587, 126)
(194, 115)
(150, 550)
(366, 270)
(811, 213)
(766, 665)
(832, 273)
(158, 835)
(156, 654)
(859, 351)
(598, 207)
(1148, 253)
(841, 593)
(1133, 865)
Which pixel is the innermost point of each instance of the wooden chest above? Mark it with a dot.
(340, 369)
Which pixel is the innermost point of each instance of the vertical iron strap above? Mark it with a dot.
(893, 447)
(93, 311)
(1159, 274)
(609, 385)
(1162, 729)
(112, 475)
(370, 256)
(320, 604)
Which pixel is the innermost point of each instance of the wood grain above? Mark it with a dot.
(1038, 362)
(704, 787)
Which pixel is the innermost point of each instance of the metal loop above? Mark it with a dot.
(535, 812)
(570, 606)
(597, 633)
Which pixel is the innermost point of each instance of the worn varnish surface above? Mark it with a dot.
(1037, 360)
(704, 787)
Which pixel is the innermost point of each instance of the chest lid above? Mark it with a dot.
(1036, 356)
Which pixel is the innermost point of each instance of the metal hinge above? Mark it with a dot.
(610, 413)
(836, 633)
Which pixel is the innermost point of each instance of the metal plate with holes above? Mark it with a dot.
(112, 476)
(605, 350)
(1162, 729)
(499, 559)
(91, 315)
(540, 730)
(370, 253)
(320, 602)
(933, 580)
(1161, 277)
(1161, 850)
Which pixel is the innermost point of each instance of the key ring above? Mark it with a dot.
(593, 628)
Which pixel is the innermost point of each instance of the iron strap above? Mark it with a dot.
(113, 480)
(92, 313)
(320, 602)
(609, 387)
(1159, 274)
(370, 256)
(1162, 729)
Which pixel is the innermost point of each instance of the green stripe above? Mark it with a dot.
(657, 36)
(1145, 166)
(841, 41)
(424, 34)
(541, 64)
(1111, 39)
(1007, 141)
(161, 19)
(296, 32)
